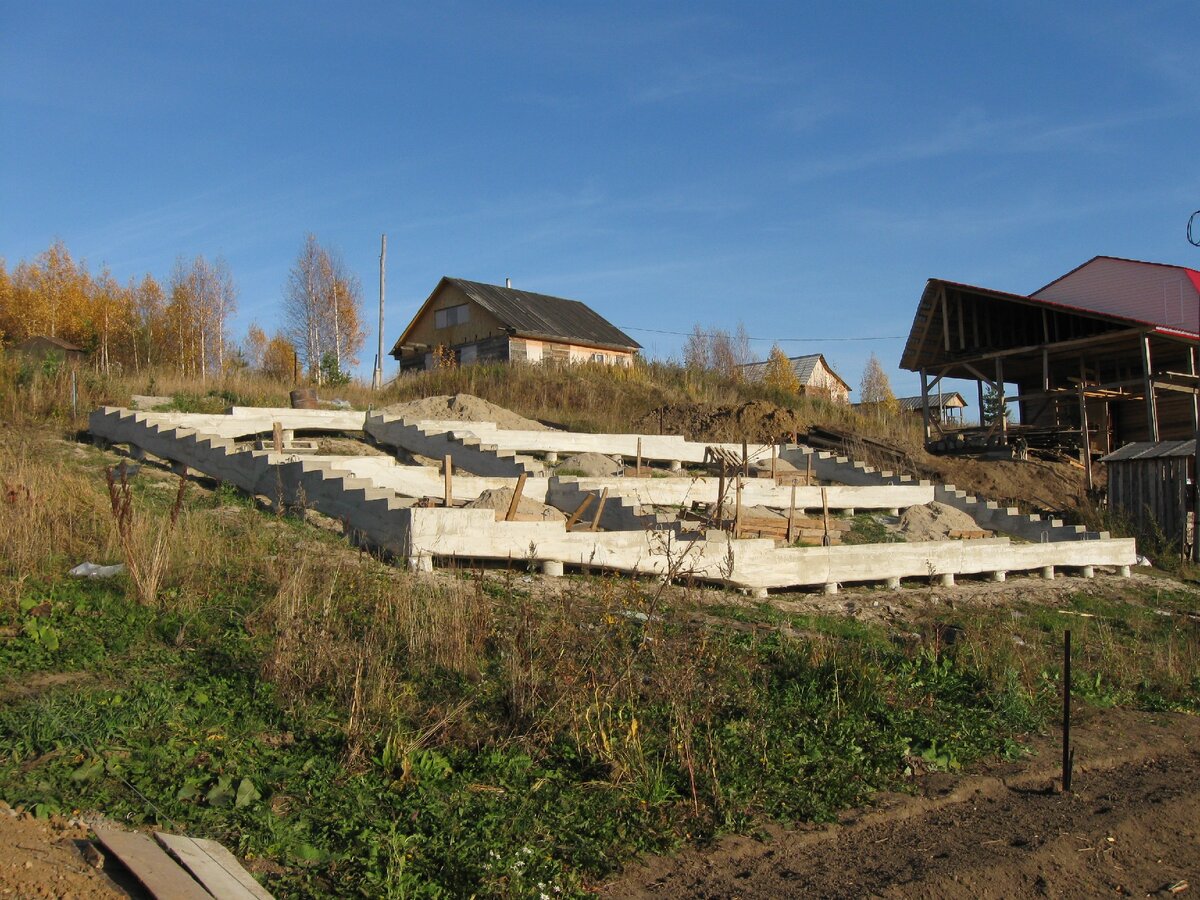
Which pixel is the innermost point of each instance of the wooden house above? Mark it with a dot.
(42, 346)
(816, 377)
(947, 407)
(1107, 352)
(477, 322)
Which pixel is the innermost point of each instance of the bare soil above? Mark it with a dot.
(465, 408)
(1131, 827)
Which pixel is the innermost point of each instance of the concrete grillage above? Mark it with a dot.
(378, 516)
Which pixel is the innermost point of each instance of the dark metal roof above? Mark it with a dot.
(1152, 450)
(542, 316)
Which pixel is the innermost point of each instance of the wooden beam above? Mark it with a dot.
(925, 404)
(1151, 404)
(516, 498)
(945, 319)
(160, 874)
(575, 516)
(962, 325)
(448, 471)
(599, 510)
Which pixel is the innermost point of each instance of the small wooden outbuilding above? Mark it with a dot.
(1152, 484)
(41, 346)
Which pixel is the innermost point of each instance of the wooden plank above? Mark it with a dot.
(516, 498)
(791, 521)
(157, 872)
(825, 514)
(448, 469)
(277, 436)
(214, 866)
(579, 511)
(599, 509)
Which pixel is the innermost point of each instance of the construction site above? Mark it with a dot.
(493, 489)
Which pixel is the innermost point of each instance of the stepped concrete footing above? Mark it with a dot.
(377, 504)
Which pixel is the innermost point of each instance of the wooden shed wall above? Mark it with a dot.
(1153, 494)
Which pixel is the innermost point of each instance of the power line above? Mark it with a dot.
(808, 340)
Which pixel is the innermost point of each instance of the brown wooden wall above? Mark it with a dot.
(1153, 494)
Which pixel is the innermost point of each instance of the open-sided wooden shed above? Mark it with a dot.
(1107, 353)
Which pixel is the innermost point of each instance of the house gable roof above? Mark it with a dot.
(539, 316)
(1161, 293)
(803, 366)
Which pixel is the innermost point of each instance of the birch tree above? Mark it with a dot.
(322, 309)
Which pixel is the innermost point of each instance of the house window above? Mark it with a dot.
(451, 315)
(598, 357)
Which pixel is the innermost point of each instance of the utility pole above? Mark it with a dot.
(1194, 239)
(377, 377)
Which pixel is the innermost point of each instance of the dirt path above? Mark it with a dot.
(1131, 828)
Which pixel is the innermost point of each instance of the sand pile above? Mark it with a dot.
(592, 465)
(463, 408)
(934, 522)
(527, 510)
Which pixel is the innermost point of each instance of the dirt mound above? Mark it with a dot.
(463, 408)
(592, 465)
(757, 421)
(934, 521)
(527, 510)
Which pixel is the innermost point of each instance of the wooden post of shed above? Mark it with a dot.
(1085, 441)
(448, 470)
(925, 403)
(1001, 405)
(1148, 380)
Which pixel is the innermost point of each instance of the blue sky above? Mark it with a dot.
(802, 168)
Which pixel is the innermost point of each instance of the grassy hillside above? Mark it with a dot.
(354, 730)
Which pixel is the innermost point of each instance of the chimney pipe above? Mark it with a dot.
(508, 282)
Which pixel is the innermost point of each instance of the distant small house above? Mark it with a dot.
(42, 346)
(816, 377)
(478, 322)
(947, 408)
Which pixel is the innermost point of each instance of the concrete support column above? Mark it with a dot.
(998, 576)
(552, 568)
(893, 584)
(551, 456)
(421, 563)
(894, 511)
(1087, 572)
(288, 435)
(831, 587)
(946, 579)
(1048, 572)
(179, 469)
(758, 593)
(676, 465)
(136, 452)
(1123, 571)
(849, 512)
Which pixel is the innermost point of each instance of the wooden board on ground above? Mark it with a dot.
(160, 874)
(214, 866)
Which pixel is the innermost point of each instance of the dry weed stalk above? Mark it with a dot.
(145, 546)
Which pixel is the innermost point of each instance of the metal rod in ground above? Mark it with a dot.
(1068, 753)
